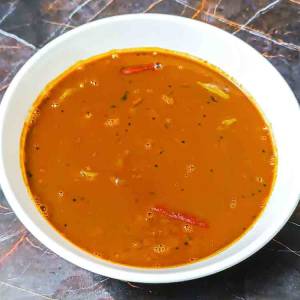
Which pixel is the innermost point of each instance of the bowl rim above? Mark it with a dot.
(143, 275)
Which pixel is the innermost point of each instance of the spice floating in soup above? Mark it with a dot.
(149, 159)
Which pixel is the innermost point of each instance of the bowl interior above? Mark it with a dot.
(236, 58)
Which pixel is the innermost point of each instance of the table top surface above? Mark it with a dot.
(28, 270)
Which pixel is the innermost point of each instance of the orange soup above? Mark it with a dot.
(148, 158)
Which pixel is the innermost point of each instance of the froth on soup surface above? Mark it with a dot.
(147, 158)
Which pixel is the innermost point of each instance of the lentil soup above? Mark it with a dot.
(148, 158)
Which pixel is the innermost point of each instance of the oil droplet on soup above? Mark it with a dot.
(148, 160)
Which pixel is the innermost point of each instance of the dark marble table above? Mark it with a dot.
(28, 270)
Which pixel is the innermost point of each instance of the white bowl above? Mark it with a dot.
(232, 55)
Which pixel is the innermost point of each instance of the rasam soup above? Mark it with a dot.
(148, 158)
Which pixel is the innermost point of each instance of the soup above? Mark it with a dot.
(148, 158)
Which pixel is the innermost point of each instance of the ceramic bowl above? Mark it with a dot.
(236, 58)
